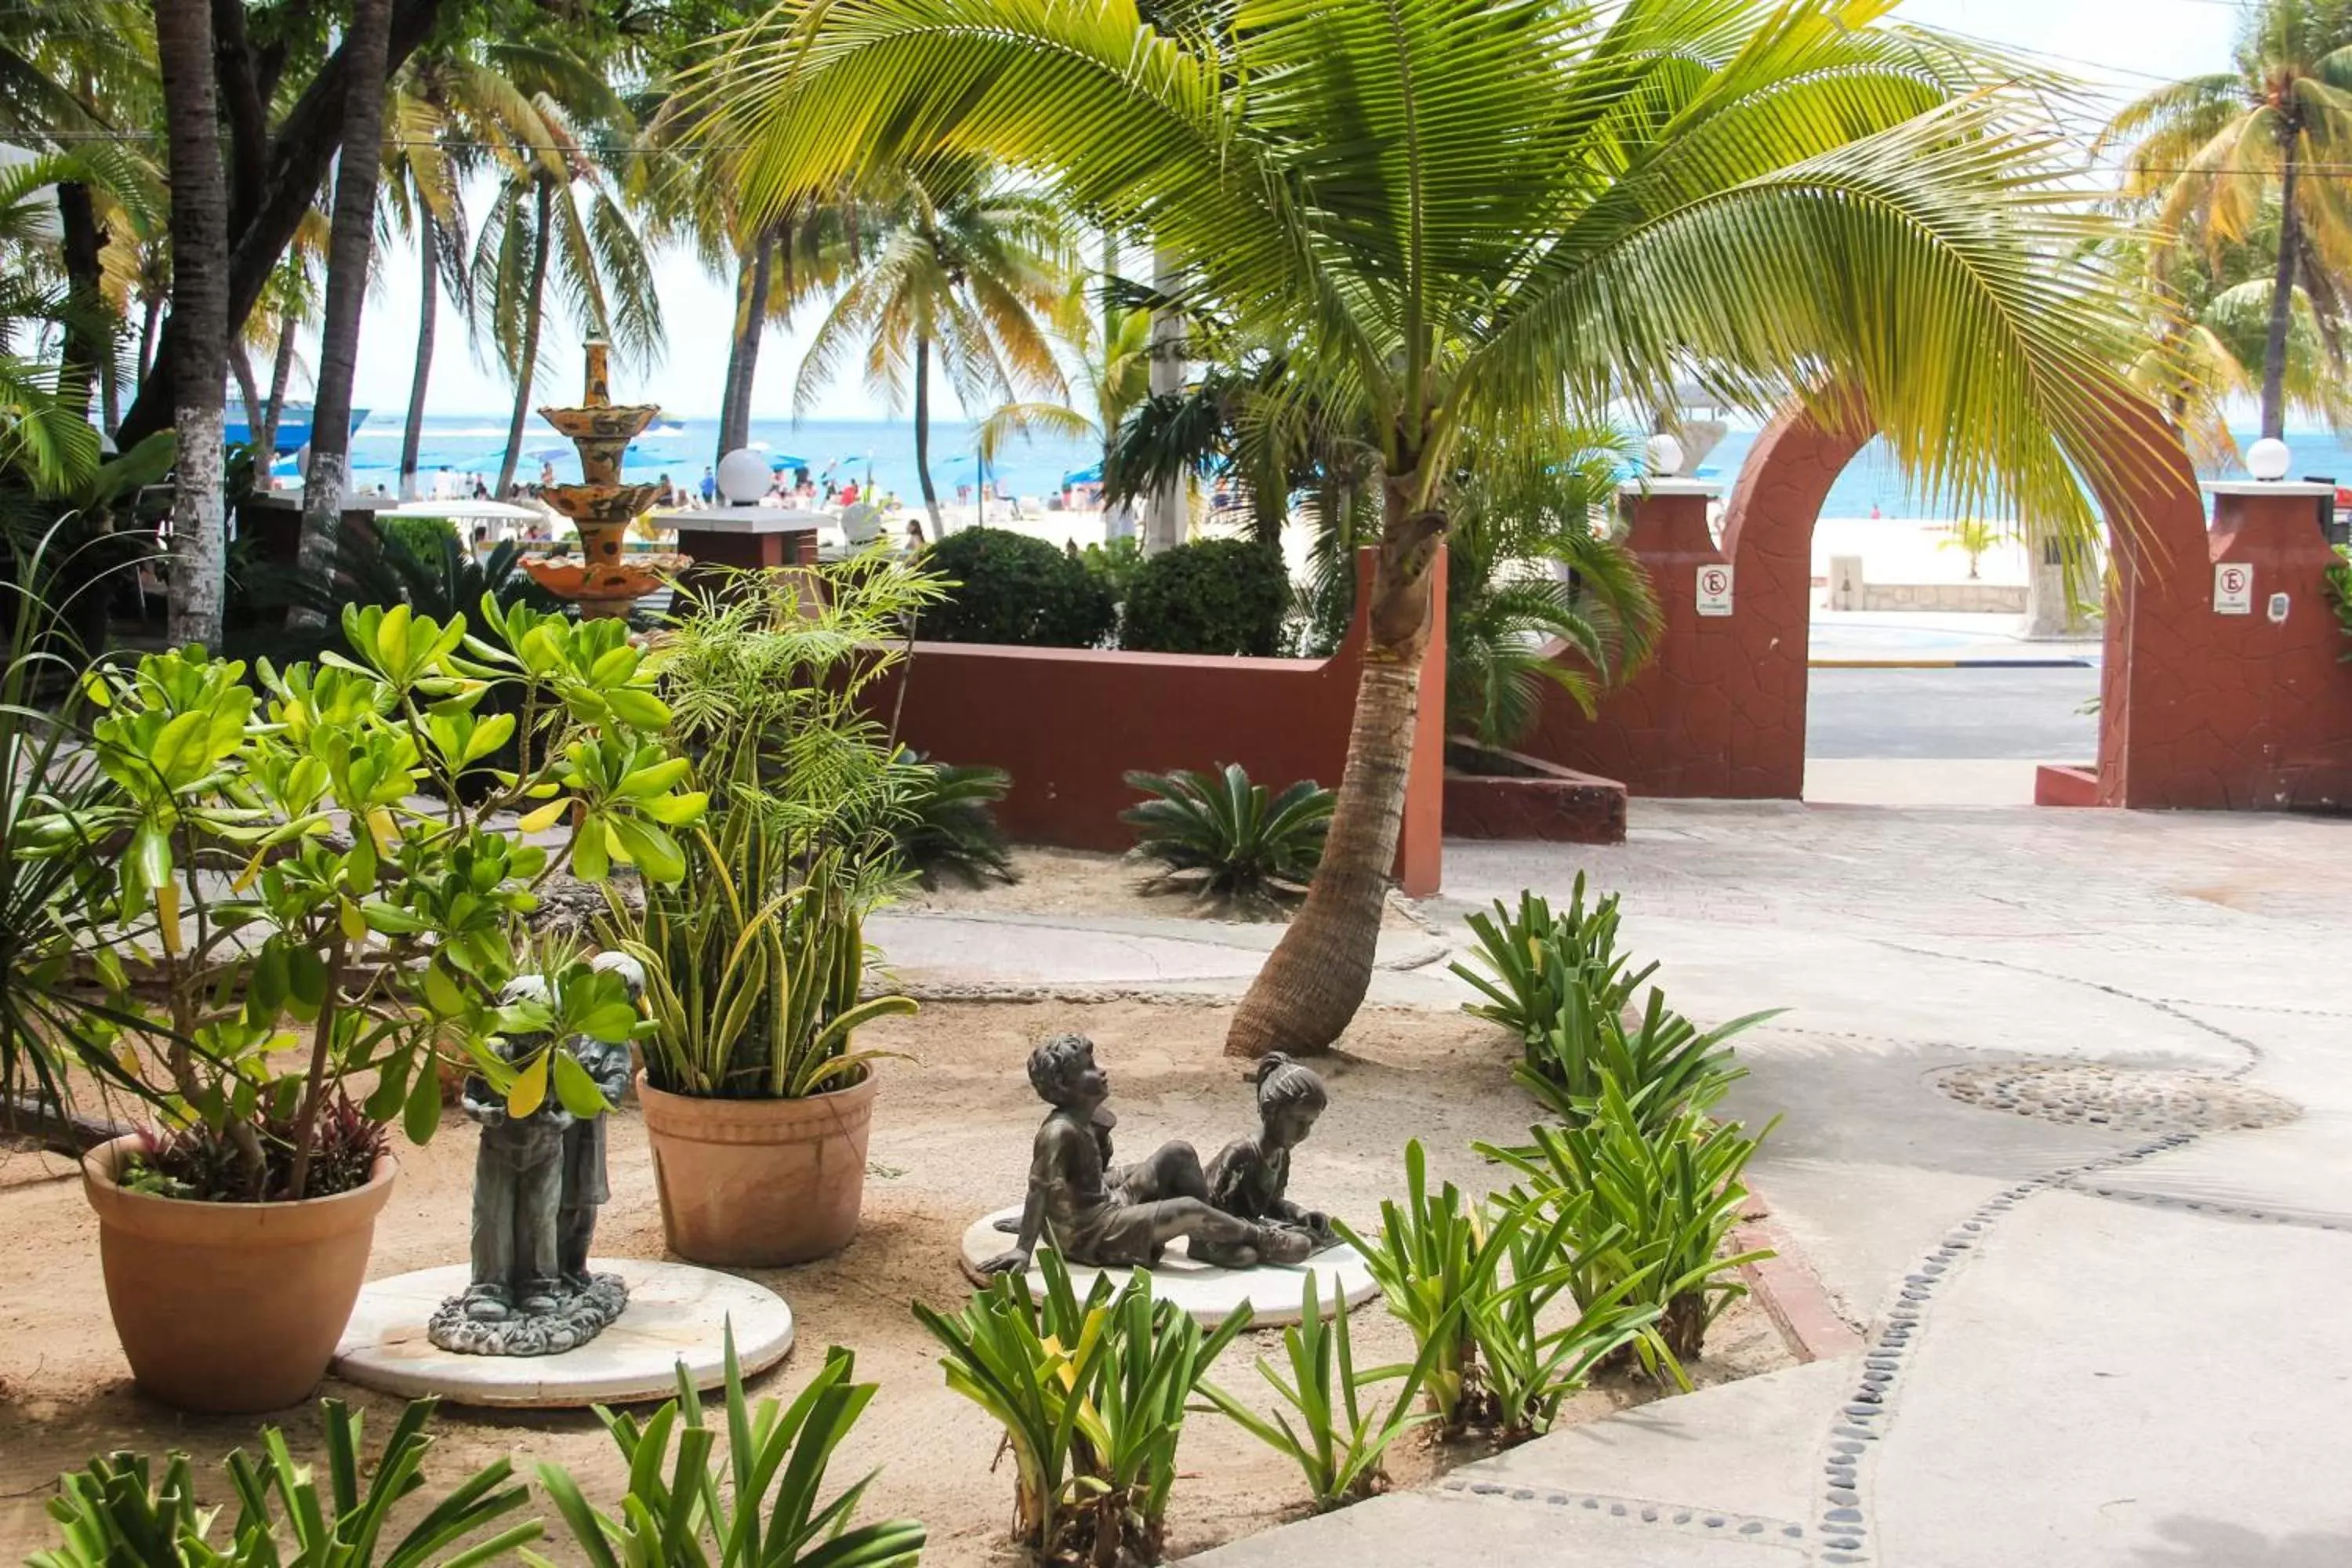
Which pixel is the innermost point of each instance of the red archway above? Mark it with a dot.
(2199, 707)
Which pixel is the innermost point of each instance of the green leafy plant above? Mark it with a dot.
(1531, 953)
(755, 958)
(1114, 562)
(1223, 836)
(115, 1512)
(1539, 1337)
(1339, 1443)
(1663, 1064)
(1010, 589)
(946, 824)
(1646, 1211)
(1973, 537)
(300, 858)
(1092, 1395)
(1213, 596)
(762, 1506)
(2336, 584)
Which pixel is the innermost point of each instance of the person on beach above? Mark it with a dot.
(709, 487)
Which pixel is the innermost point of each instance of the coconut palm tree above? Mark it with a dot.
(1470, 214)
(965, 273)
(2220, 152)
(1111, 356)
(557, 215)
(199, 326)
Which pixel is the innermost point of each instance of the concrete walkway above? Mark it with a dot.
(2093, 1342)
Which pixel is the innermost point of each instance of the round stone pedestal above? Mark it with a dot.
(1271, 1291)
(675, 1313)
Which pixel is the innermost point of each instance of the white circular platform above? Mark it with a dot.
(1272, 1290)
(677, 1312)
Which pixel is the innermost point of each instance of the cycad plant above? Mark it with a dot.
(1466, 216)
(949, 826)
(762, 1505)
(1092, 1393)
(1649, 1210)
(1226, 838)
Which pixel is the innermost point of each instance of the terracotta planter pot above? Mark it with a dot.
(233, 1308)
(759, 1182)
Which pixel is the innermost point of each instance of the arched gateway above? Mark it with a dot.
(2204, 704)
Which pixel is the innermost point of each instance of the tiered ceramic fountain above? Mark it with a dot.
(601, 580)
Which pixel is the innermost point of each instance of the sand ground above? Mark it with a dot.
(950, 1142)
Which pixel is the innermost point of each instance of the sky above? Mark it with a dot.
(2121, 47)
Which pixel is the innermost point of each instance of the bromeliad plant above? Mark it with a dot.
(1221, 835)
(301, 881)
(1644, 1212)
(114, 1512)
(1092, 1395)
(762, 1506)
(1338, 1444)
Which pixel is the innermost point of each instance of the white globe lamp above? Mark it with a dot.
(743, 477)
(2269, 458)
(1665, 456)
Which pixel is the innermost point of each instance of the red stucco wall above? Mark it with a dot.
(1068, 723)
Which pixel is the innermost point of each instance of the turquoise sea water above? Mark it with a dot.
(847, 449)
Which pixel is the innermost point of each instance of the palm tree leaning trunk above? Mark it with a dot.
(743, 353)
(281, 377)
(199, 323)
(923, 430)
(412, 435)
(535, 310)
(81, 238)
(350, 242)
(2281, 286)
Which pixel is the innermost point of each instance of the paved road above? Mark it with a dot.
(2026, 714)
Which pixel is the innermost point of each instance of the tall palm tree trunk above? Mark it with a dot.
(351, 239)
(533, 309)
(249, 391)
(411, 436)
(80, 239)
(923, 429)
(151, 310)
(2282, 296)
(1319, 972)
(199, 324)
(1167, 511)
(743, 355)
(281, 377)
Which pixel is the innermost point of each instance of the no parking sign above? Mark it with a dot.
(2233, 589)
(1715, 590)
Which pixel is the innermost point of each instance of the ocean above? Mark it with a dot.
(844, 449)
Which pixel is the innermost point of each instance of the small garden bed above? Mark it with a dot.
(951, 1144)
(1495, 794)
(1083, 882)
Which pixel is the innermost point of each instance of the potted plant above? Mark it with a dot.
(303, 915)
(757, 1102)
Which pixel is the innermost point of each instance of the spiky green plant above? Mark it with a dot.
(946, 824)
(1223, 837)
(1530, 954)
(1663, 1064)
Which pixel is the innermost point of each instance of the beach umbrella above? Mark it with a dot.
(779, 464)
(1083, 477)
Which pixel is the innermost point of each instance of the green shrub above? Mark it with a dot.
(1214, 596)
(1114, 563)
(1644, 1212)
(1092, 1396)
(946, 823)
(1663, 1064)
(1220, 833)
(761, 1506)
(1010, 589)
(111, 1514)
(1531, 953)
(422, 537)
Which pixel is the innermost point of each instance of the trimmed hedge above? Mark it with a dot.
(1012, 588)
(1214, 596)
(420, 536)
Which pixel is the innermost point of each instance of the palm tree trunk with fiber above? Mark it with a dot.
(743, 356)
(527, 360)
(1319, 972)
(199, 323)
(428, 252)
(923, 429)
(351, 240)
(2282, 296)
(281, 377)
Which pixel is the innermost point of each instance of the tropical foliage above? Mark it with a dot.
(1213, 596)
(1225, 839)
(948, 826)
(1006, 587)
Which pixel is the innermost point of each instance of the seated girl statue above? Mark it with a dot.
(1117, 1217)
(1251, 1178)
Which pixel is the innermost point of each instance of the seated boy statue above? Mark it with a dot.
(1119, 1216)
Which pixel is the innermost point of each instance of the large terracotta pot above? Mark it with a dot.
(230, 1307)
(759, 1182)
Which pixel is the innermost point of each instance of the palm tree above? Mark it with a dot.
(2213, 148)
(1112, 356)
(556, 214)
(963, 272)
(423, 199)
(199, 326)
(1473, 214)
